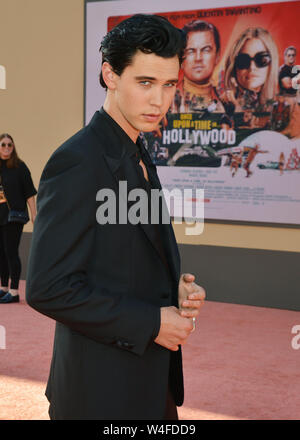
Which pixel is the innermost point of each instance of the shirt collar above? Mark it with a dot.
(130, 146)
(136, 150)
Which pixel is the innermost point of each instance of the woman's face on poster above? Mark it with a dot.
(252, 70)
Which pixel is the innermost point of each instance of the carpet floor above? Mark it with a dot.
(239, 364)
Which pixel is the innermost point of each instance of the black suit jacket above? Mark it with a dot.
(103, 284)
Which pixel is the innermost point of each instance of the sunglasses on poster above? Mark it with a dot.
(6, 145)
(261, 59)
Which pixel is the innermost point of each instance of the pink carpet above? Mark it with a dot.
(239, 364)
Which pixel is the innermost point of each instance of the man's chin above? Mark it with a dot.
(201, 81)
(148, 128)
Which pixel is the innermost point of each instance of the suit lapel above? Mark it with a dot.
(127, 172)
(118, 151)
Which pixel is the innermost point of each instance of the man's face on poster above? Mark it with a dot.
(200, 56)
(290, 57)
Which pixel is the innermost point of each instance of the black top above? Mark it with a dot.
(18, 187)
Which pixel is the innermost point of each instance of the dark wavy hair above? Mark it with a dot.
(147, 33)
(14, 160)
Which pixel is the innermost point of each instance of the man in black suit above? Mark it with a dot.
(113, 285)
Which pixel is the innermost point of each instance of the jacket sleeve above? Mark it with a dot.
(57, 282)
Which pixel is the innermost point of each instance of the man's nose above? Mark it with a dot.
(157, 96)
(198, 55)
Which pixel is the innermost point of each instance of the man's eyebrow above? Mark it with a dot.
(142, 77)
(201, 48)
(152, 78)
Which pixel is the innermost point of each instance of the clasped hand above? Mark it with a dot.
(190, 296)
(176, 324)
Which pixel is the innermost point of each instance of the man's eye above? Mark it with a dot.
(170, 85)
(145, 83)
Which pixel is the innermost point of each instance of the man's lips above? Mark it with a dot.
(151, 117)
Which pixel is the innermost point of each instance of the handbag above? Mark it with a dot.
(13, 214)
(18, 216)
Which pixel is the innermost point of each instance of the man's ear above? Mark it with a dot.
(109, 76)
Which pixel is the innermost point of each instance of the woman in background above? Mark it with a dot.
(16, 190)
(251, 70)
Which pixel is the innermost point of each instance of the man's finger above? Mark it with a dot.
(188, 277)
(199, 295)
(193, 304)
(192, 313)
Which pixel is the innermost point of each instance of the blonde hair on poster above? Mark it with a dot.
(270, 86)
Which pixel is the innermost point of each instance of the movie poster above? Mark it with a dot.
(233, 128)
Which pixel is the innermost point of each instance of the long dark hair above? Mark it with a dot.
(14, 160)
